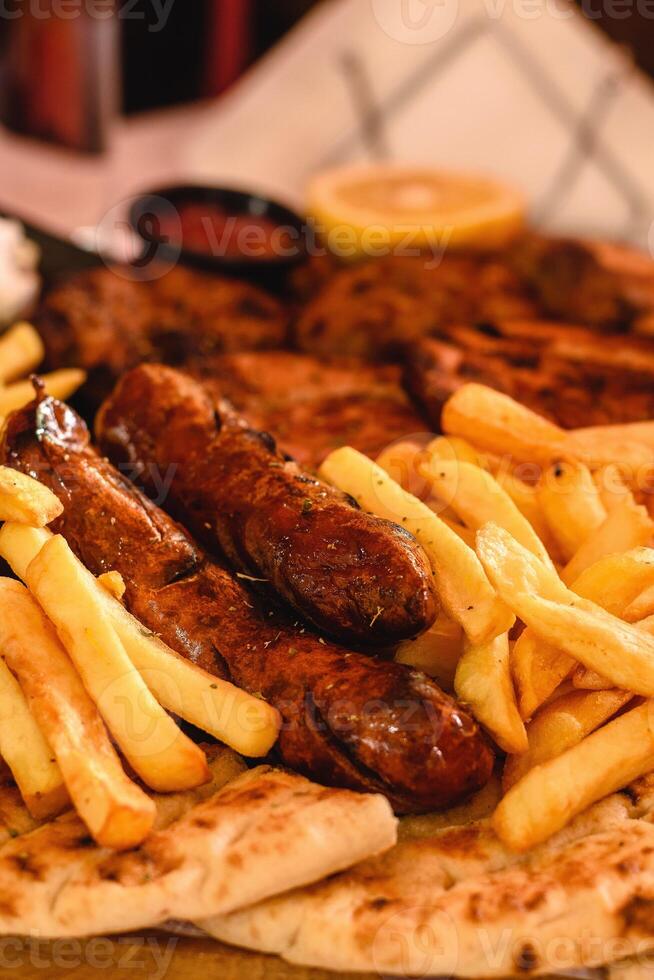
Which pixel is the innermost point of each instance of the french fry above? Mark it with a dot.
(116, 811)
(589, 680)
(551, 794)
(465, 592)
(164, 758)
(453, 448)
(436, 652)
(26, 501)
(483, 681)
(571, 504)
(60, 384)
(537, 668)
(613, 582)
(21, 351)
(630, 447)
(496, 423)
(641, 607)
(602, 642)
(24, 748)
(247, 724)
(525, 497)
(560, 725)
(612, 486)
(19, 544)
(401, 462)
(477, 498)
(616, 435)
(627, 526)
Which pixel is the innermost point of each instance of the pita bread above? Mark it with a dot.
(267, 830)
(458, 903)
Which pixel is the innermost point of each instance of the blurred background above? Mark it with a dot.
(102, 98)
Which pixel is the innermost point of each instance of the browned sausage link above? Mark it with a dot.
(354, 576)
(349, 719)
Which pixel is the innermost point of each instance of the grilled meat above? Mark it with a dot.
(606, 286)
(354, 576)
(106, 321)
(349, 720)
(561, 371)
(313, 405)
(374, 309)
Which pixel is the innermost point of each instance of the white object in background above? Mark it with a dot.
(524, 90)
(19, 280)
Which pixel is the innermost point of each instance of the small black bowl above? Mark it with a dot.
(156, 217)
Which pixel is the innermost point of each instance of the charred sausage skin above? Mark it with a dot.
(359, 578)
(348, 719)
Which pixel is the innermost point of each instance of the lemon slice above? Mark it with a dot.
(364, 210)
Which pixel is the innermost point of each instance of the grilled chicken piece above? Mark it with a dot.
(355, 576)
(312, 405)
(349, 720)
(603, 285)
(375, 308)
(560, 371)
(105, 321)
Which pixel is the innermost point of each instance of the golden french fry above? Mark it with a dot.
(26, 501)
(401, 462)
(113, 583)
(244, 722)
(571, 504)
(60, 384)
(21, 351)
(496, 423)
(158, 751)
(602, 642)
(626, 527)
(465, 592)
(452, 448)
(24, 748)
(116, 811)
(551, 794)
(613, 582)
(640, 607)
(615, 435)
(537, 668)
(483, 682)
(612, 486)
(525, 497)
(476, 497)
(436, 651)
(19, 544)
(560, 725)
(629, 447)
(589, 680)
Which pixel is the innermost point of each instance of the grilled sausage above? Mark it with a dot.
(354, 576)
(348, 719)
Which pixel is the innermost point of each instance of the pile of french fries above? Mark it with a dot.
(541, 544)
(83, 683)
(21, 352)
